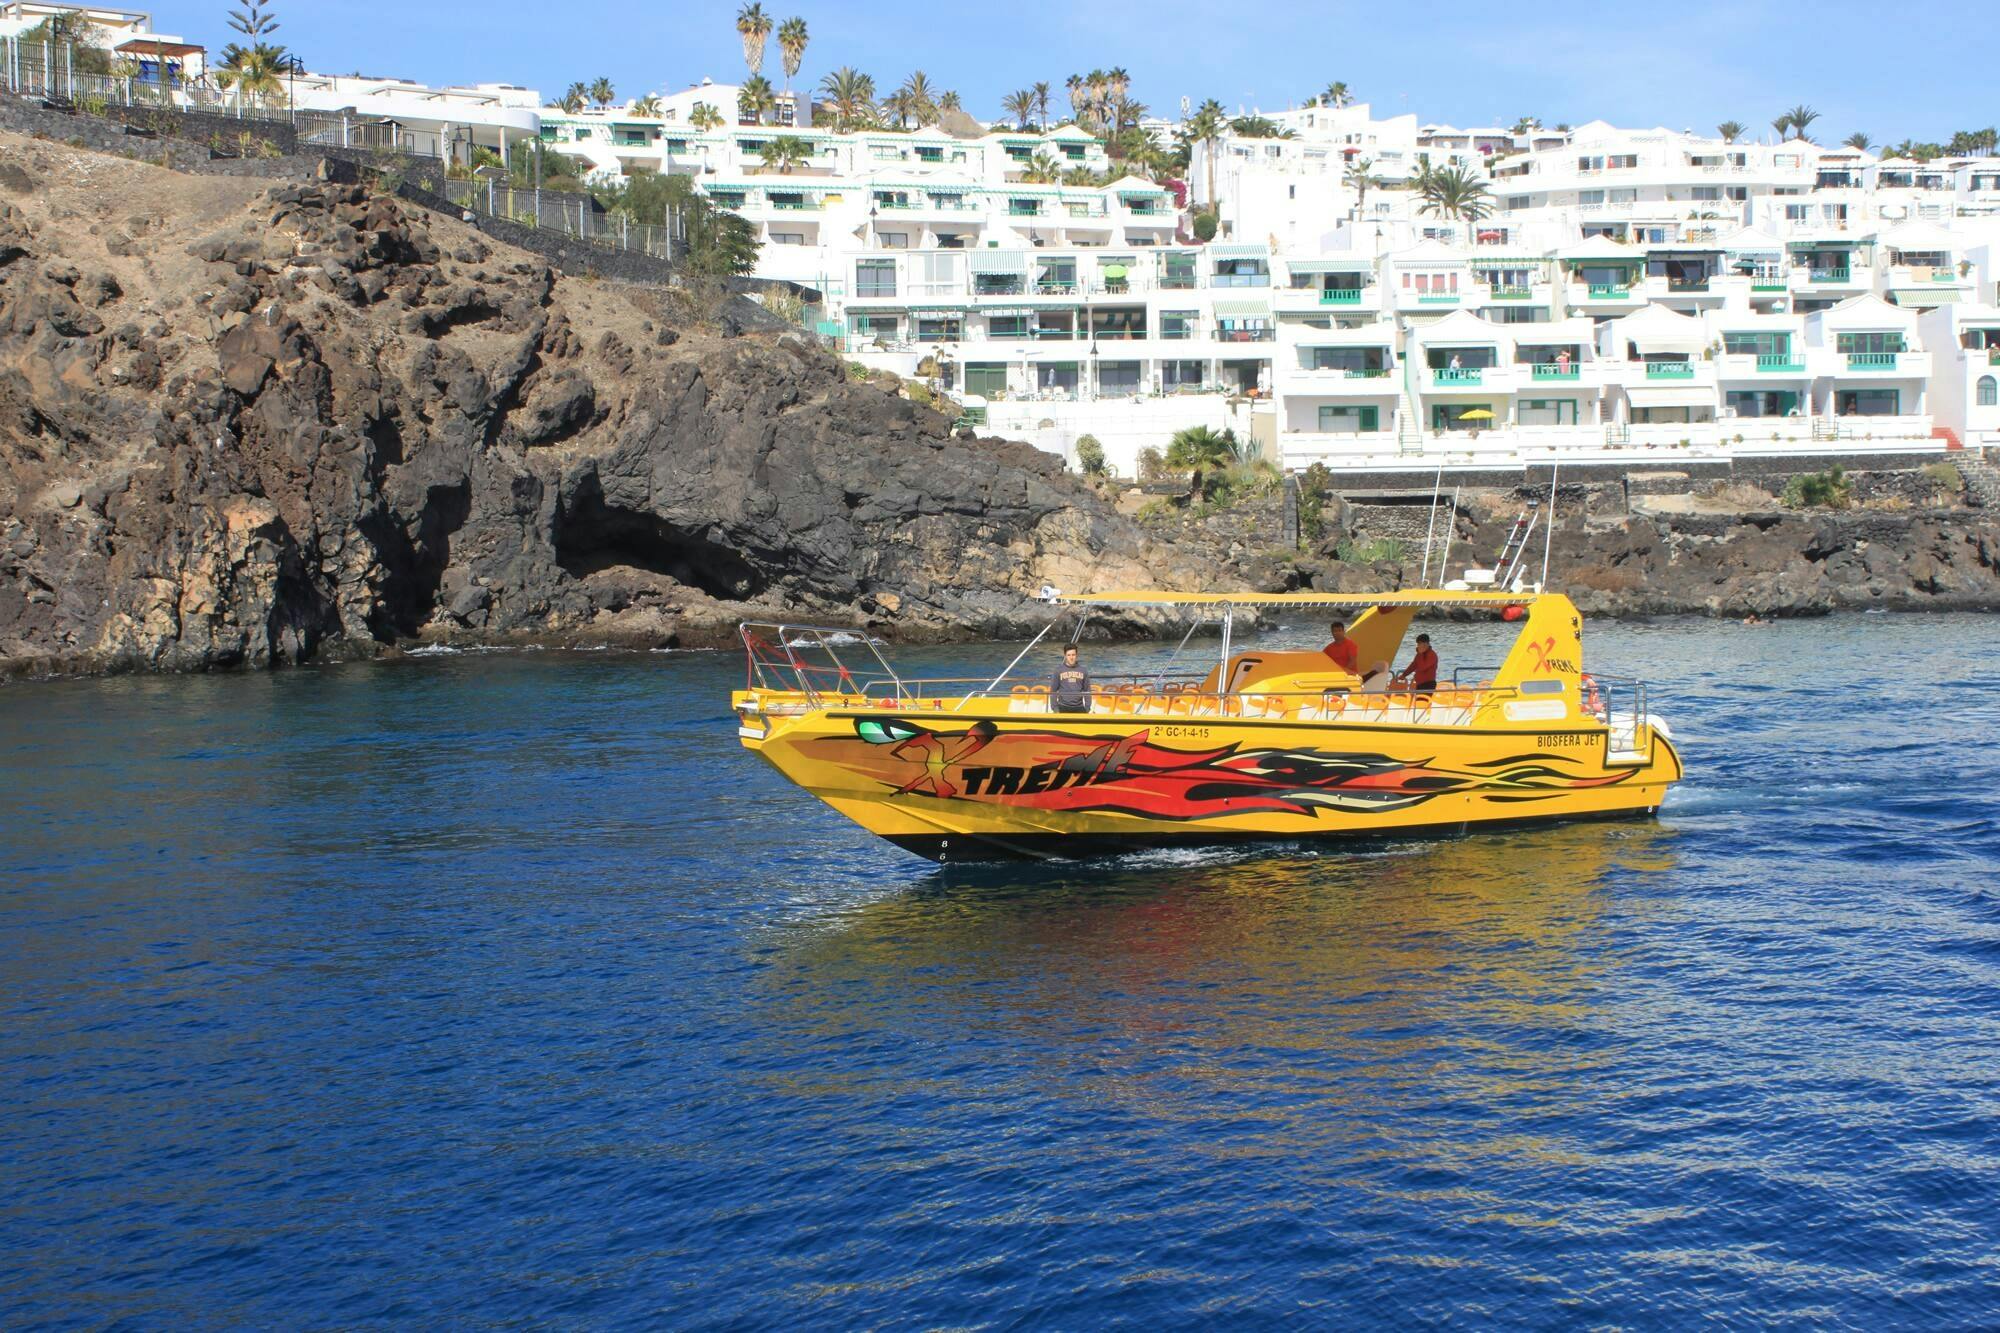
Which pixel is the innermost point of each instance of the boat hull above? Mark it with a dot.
(951, 786)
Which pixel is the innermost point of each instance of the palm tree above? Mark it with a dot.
(601, 91)
(1117, 82)
(575, 98)
(792, 40)
(785, 152)
(754, 26)
(1074, 84)
(1360, 177)
(1781, 125)
(1205, 127)
(922, 97)
(1858, 140)
(647, 106)
(1041, 170)
(1199, 449)
(257, 73)
(1019, 105)
(705, 117)
(1527, 124)
(755, 99)
(1455, 192)
(1730, 130)
(950, 101)
(851, 94)
(1041, 92)
(899, 108)
(1801, 118)
(1336, 94)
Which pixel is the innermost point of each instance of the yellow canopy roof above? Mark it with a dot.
(1418, 597)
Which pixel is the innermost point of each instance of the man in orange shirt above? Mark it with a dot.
(1345, 652)
(1422, 672)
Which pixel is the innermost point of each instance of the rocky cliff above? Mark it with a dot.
(244, 425)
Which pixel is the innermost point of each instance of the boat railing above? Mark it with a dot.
(1148, 698)
(1619, 702)
(808, 660)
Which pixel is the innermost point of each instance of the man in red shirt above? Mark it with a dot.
(1422, 672)
(1345, 652)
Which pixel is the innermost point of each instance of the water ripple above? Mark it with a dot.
(504, 989)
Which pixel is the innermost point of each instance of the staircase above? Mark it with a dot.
(1982, 482)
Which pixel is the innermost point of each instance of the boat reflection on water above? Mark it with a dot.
(1462, 979)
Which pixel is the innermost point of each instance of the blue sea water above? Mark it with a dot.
(505, 989)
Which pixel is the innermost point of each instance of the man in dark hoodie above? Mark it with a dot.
(1069, 688)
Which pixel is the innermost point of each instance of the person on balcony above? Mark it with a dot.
(1069, 687)
(1422, 672)
(1562, 362)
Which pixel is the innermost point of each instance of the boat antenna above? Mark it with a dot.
(1450, 531)
(1430, 529)
(1549, 529)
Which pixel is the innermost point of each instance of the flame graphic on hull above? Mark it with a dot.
(1131, 775)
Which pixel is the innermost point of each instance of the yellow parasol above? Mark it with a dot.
(1476, 414)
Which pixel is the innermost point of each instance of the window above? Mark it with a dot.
(893, 240)
(1867, 402)
(1118, 379)
(1178, 325)
(1989, 392)
(788, 238)
(1773, 343)
(987, 379)
(873, 326)
(930, 154)
(1007, 326)
(1349, 359)
(1345, 420)
(1797, 212)
(875, 277)
(1546, 412)
(1848, 344)
(1180, 375)
(1178, 273)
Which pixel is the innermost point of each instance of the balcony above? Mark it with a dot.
(1779, 363)
(1829, 275)
(1769, 283)
(1023, 211)
(1340, 296)
(1608, 291)
(1872, 361)
(1463, 375)
(1437, 298)
(1554, 370)
(1055, 287)
(1670, 370)
(1512, 294)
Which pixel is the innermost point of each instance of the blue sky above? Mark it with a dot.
(1916, 68)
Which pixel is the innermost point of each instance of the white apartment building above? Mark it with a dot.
(126, 33)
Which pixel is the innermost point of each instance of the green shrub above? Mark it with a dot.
(1819, 490)
(919, 392)
(1090, 456)
(1946, 476)
(1314, 483)
(1153, 465)
(857, 373)
(1352, 552)
(1206, 224)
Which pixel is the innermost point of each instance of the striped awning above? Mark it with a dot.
(1239, 252)
(1331, 264)
(1682, 396)
(1926, 296)
(1243, 309)
(1004, 263)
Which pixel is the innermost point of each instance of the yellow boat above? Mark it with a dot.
(1263, 745)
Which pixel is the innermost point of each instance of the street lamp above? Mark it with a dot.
(293, 68)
